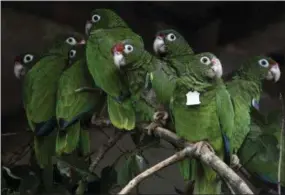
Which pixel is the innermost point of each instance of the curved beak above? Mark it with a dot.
(117, 52)
(19, 70)
(275, 72)
(82, 42)
(158, 44)
(217, 67)
(88, 26)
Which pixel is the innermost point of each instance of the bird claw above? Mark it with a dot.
(151, 127)
(159, 119)
(235, 162)
(199, 145)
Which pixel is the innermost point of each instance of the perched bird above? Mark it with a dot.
(74, 108)
(174, 50)
(107, 28)
(135, 64)
(39, 93)
(245, 89)
(259, 153)
(202, 111)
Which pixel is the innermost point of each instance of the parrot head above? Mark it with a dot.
(170, 42)
(103, 19)
(64, 42)
(206, 65)
(261, 67)
(127, 52)
(76, 53)
(23, 63)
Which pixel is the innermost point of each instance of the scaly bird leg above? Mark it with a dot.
(199, 145)
(159, 119)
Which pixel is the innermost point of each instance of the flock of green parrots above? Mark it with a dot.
(64, 86)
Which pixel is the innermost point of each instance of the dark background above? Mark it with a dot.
(231, 30)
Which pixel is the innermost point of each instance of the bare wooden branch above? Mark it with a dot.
(171, 160)
(282, 134)
(103, 150)
(206, 156)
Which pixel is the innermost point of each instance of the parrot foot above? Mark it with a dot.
(159, 119)
(235, 162)
(199, 145)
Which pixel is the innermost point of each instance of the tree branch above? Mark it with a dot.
(206, 156)
(171, 160)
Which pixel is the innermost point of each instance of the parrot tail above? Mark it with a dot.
(68, 140)
(122, 115)
(206, 180)
(44, 149)
(84, 142)
(45, 128)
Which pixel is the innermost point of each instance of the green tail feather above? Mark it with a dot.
(84, 142)
(68, 141)
(121, 115)
(44, 149)
(206, 180)
(184, 167)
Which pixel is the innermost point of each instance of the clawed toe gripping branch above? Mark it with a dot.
(204, 153)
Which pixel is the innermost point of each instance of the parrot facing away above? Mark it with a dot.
(172, 48)
(39, 94)
(107, 28)
(259, 153)
(135, 64)
(202, 111)
(245, 89)
(74, 108)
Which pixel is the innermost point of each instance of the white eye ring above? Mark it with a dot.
(28, 58)
(71, 41)
(72, 53)
(171, 37)
(263, 63)
(128, 48)
(96, 18)
(205, 60)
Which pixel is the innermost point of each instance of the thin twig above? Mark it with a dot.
(103, 150)
(281, 146)
(171, 160)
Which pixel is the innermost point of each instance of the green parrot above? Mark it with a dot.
(202, 111)
(259, 153)
(39, 94)
(74, 108)
(174, 50)
(245, 90)
(135, 64)
(106, 29)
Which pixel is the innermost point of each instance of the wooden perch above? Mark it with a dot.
(171, 160)
(205, 155)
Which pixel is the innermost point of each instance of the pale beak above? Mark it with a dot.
(19, 70)
(274, 73)
(159, 45)
(82, 42)
(217, 68)
(117, 51)
(88, 26)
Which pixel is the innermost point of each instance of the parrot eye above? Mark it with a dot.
(128, 49)
(263, 63)
(71, 41)
(205, 60)
(72, 53)
(28, 58)
(95, 18)
(171, 37)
